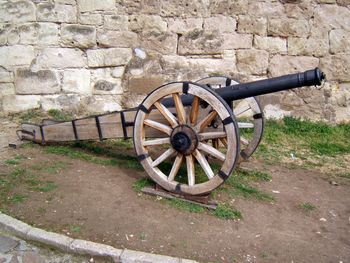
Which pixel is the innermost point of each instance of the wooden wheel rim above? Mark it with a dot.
(231, 130)
(258, 120)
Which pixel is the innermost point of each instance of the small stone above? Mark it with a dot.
(275, 191)
(7, 244)
(323, 219)
(334, 183)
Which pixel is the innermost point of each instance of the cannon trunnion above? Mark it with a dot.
(188, 136)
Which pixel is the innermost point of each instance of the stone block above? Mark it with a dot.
(76, 81)
(147, 23)
(7, 89)
(38, 82)
(339, 41)
(17, 11)
(109, 57)
(93, 5)
(60, 58)
(94, 249)
(49, 238)
(237, 7)
(109, 38)
(308, 46)
(253, 62)
(199, 42)
(116, 22)
(271, 44)
(163, 43)
(266, 9)
(237, 41)
(252, 25)
(51, 12)
(5, 76)
(9, 223)
(90, 19)
(71, 102)
(336, 67)
(102, 103)
(145, 84)
(17, 103)
(223, 24)
(130, 256)
(103, 82)
(182, 26)
(16, 55)
(38, 34)
(78, 36)
(283, 65)
(287, 27)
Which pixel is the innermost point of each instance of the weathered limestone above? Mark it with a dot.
(237, 41)
(116, 22)
(271, 44)
(105, 82)
(254, 62)
(108, 57)
(18, 103)
(78, 36)
(90, 19)
(340, 63)
(92, 5)
(109, 38)
(51, 12)
(339, 41)
(39, 82)
(223, 24)
(145, 84)
(5, 76)
(7, 89)
(38, 34)
(182, 26)
(308, 46)
(143, 23)
(17, 11)
(60, 58)
(163, 43)
(200, 42)
(102, 103)
(287, 27)
(16, 55)
(71, 102)
(76, 81)
(252, 25)
(268, 9)
(291, 64)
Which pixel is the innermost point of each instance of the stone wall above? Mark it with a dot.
(97, 56)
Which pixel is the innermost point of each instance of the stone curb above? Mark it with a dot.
(78, 246)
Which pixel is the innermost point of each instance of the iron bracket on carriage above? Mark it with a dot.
(202, 129)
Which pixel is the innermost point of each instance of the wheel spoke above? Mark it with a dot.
(190, 170)
(244, 140)
(156, 142)
(245, 125)
(224, 141)
(176, 166)
(194, 111)
(215, 143)
(158, 126)
(211, 150)
(204, 163)
(211, 135)
(165, 155)
(167, 114)
(206, 121)
(181, 114)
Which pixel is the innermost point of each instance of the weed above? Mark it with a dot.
(18, 198)
(225, 211)
(344, 175)
(59, 115)
(46, 187)
(12, 162)
(185, 206)
(308, 207)
(142, 236)
(141, 183)
(75, 228)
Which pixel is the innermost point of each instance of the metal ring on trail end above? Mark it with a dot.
(174, 142)
(248, 113)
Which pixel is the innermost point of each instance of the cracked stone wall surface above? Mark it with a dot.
(95, 56)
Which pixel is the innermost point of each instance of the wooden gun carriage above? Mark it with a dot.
(202, 129)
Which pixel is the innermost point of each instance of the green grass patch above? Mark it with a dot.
(18, 198)
(224, 211)
(45, 187)
(186, 206)
(308, 207)
(141, 183)
(75, 228)
(344, 175)
(59, 115)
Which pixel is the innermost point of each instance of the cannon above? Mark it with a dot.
(188, 136)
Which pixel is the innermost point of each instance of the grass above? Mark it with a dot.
(141, 183)
(45, 187)
(185, 206)
(59, 115)
(224, 211)
(75, 228)
(308, 207)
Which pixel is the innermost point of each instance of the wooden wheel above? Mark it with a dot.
(248, 113)
(173, 144)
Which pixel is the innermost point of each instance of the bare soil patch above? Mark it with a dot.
(98, 203)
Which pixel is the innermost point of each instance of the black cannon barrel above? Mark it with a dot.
(260, 87)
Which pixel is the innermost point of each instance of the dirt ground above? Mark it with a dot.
(100, 201)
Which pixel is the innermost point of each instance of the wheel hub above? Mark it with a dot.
(184, 139)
